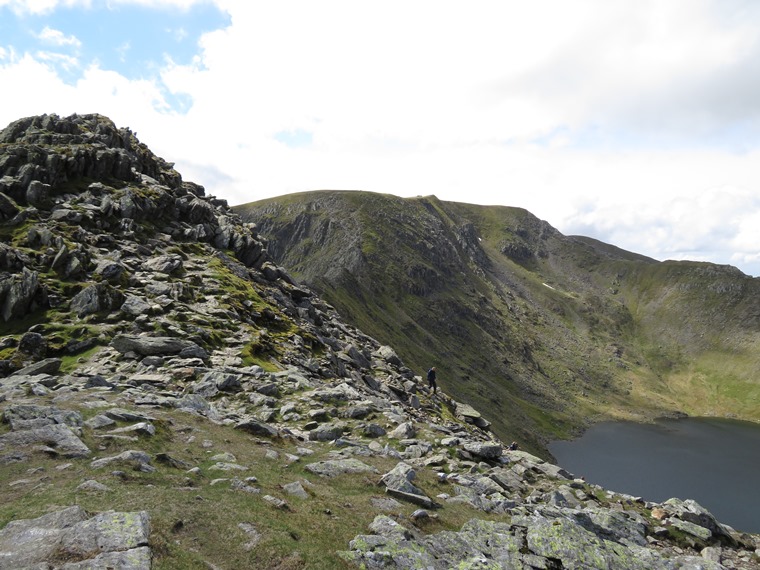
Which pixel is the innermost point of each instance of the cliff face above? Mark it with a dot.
(172, 398)
(542, 332)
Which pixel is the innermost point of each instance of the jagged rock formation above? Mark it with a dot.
(169, 395)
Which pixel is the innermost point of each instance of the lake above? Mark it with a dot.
(716, 462)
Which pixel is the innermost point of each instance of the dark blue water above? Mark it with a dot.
(716, 462)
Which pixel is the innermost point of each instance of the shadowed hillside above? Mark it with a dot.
(540, 331)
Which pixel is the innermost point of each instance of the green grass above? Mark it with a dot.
(195, 523)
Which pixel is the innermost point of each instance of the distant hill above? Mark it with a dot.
(542, 332)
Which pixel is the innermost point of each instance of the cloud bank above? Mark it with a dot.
(637, 123)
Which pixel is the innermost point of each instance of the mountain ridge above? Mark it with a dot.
(173, 398)
(556, 309)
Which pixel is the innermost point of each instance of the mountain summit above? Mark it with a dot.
(172, 398)
(541, 332)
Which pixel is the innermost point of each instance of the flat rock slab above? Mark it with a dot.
(151, 345)
(335, 467)
(57, 439)
(132, 457)
(109, 539)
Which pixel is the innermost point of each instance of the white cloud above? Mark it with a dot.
(57, 38)
(37, 7)
(635, 122)
(65, 62)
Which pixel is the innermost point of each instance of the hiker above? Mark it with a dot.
(431, 379)
(512, 446)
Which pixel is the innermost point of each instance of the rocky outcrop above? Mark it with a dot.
(70, 539)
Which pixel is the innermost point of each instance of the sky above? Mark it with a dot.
(636, 122)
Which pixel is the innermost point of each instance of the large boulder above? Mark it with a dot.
(107, 540)
(171, 263)
(485, 450)
(335, 467)
(20, 294)
(45, 366)
(56, 439)
(151, 345)
(96, 298)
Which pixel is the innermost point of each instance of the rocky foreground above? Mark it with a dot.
(151, 350)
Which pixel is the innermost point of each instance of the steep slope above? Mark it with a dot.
(171, 398)
(540, 331)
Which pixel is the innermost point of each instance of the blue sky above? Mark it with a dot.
(135, 40)
(635, 122)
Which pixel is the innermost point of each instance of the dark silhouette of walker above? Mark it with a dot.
(431, 379)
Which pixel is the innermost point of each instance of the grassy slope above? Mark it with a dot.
(540, 331)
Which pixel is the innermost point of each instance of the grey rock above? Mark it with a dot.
(528, 542)
(711, 553)
(132, 559)
(403, 431)
(336, 467)
(692, 512)
(117, 540)
(138, 460)
(373, 430)
(226, 456)
(150, 345)
(256, 427)
(194, 402)
(276, 502)
(358, 358)
(66, 215)
(26, 416)
(122, 415)
(357, 412)
(295, 489)
(238, 485)
(554, 471)
(326, 432)
(8, 208)
(95, 298)
(694, 530)
(168, 264)
(415, 498)
(225, 466)
(400, 479)
(57, 439)
(388, 355)
(193, 351)
(99, 421)
(92, 486)
(97, 381)
(420, 514)
(110, 270)
(26, 542)
(485, 450)
(37, 193)
(108, 532)
(507, 479)
(214, 382)
(140, 428)
(386, 526)
(135, 306)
